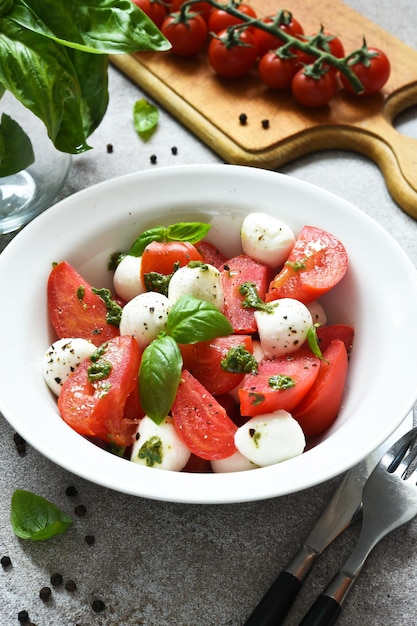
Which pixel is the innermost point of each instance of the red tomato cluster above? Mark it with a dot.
(203, 411)
(204, 28)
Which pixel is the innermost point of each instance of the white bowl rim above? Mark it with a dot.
(333, 456)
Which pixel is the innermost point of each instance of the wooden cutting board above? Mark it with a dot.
(210, 106)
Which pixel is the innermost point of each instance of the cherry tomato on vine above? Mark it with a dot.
(187, 33)
(204, 8)
(220, 20)
(266, 41)
(314, 92)
(277, 72)
(156, 10)
(232, 55)
(373, 70)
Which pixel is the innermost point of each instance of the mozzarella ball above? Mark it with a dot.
(270, 438)
(266, 239)
(158, 445)
(62, 358)
(203, 282)
(284, 329)
(234, 463)
(126, 279)
(318, 314)
(145, 317)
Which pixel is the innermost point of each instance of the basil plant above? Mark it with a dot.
(54, 60)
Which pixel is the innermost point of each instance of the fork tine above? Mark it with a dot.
(395, 457)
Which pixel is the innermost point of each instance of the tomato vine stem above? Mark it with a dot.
(322, 58)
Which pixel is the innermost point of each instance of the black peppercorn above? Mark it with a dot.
(56, 579)
(265, 123)
(89, 539)
(174, 150)
(71, 491)
(45, 593)
(70, 585)
(109, 148)
(5, 561)
(243, 118)
(153, 159)
(80, 510)
(23, 617)
(98, 606)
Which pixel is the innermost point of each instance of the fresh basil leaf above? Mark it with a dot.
(34, 517)
(16, 151)
(191, 320)
(190, 232)
(145, 117)
(158, 233)
(159, 377)
(98, 26)
(313, 341)
(54, 94)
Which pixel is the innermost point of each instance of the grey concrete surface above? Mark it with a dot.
(163, 564)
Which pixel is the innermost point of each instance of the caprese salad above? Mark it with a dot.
(200, 362)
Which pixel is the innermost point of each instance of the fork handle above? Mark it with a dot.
(328, 606)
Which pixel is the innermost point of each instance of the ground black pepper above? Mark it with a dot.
(80, 510)
(109, 148)
(243, 118)
(265, 123)
(56, 579)
(23, 617)
(71, 491)
(5, 561)
(45, 594)
(89, 539)
(98, 606)
(174, 150)
(20, 444)
(153, 159)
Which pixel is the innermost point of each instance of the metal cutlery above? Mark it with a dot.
(389, 501)
(344, 508)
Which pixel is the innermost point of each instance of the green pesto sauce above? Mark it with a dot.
(252, 300)
(114, 310)
(239, 361)
(151, 451)
(281, 382)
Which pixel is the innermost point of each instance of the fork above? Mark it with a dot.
(389, 500)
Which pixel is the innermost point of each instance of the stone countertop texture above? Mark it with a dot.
(163, 564)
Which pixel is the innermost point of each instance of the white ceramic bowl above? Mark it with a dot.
(378, 296)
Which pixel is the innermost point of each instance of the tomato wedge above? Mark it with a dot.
(320, 406)
(317, 263)
(102, 408)
(201, 422)
(203, 361)
(165, 257)
(344, 332)
(235, 272)
(211, 255)
(267, 391)
(74, 310)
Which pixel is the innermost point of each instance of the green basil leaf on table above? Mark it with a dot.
(159, 377)
(191, 320)
(34, 517)
(16, 152)
(145, 117)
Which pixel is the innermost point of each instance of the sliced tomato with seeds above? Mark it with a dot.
(98, 398)
(320, 406)
(201, 422)
(203, 361)
(315, 265)
(74, 310)
(279, 384)
(236, 271)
